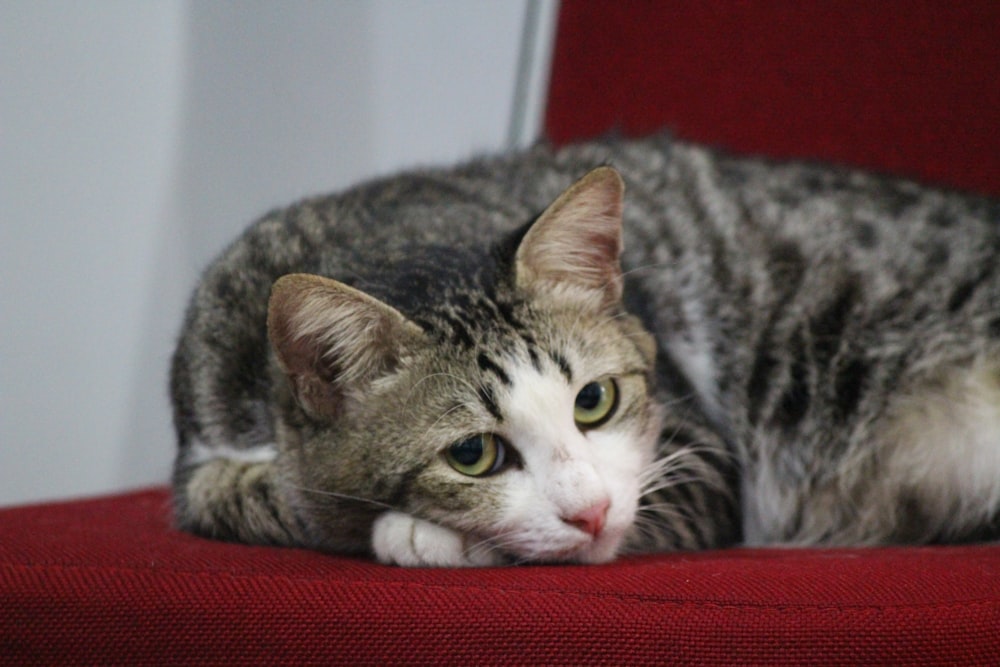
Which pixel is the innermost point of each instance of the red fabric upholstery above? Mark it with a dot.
(108, 581)
(912, 88)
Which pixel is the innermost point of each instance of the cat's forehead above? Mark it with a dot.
(491, 342)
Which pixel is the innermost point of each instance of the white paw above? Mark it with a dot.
(400, 539)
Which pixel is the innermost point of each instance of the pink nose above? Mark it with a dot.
(590, 520)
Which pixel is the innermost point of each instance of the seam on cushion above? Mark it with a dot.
(536, 592)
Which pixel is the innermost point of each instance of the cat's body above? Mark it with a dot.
(826, 367)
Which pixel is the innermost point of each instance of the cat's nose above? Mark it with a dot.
(590, 520)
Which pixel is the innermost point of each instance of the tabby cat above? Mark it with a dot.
(517, 361)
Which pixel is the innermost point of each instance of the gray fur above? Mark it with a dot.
(806, 320)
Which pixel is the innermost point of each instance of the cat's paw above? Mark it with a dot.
(400, 539)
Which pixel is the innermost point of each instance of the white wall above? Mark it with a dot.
(136, 139)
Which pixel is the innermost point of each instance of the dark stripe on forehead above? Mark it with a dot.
(426, 325)
(562, 364)
(507, 313)
(536, 363)
(487, 364)
(488, 399)
(444, 328)
(488, 307)
(531, 345)
(460, 335)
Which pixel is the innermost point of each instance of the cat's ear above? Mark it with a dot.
(575, 245)
(332, 341)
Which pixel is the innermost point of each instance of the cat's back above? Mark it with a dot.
(732, 234)
(744, 236)
(788, 301)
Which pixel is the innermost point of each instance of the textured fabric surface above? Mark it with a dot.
(908, 87)
(912, 88)
(108, 581)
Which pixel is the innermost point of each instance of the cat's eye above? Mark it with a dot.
(595, 403)
(478, 456)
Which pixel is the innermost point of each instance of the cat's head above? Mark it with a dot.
(516, 412)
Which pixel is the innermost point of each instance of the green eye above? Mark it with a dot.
(480, 455)
(595, 403)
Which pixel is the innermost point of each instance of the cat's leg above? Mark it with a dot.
(234, 494)
(943, 452)
(401, 539)
(921, 465)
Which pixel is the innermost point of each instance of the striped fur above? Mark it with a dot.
(805, 355)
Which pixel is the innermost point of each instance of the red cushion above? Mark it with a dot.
(913, 89)
(108, 581)
(908, 87)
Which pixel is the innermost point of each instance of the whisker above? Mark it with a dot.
(675, 460)
(344, 496)
(645, 267)
(648, 512)
(669, 482)
(494, 544)
(429, 376)
(442, 416)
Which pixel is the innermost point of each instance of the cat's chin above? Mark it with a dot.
(603, 550)
(588, 556)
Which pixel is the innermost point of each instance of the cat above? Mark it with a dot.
(618, 346)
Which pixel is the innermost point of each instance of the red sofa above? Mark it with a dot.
(109, 581)
(911, 87)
